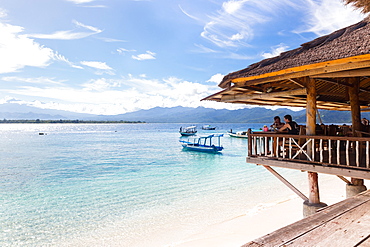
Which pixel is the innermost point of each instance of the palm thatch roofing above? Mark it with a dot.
(364, 5)
(330, 60)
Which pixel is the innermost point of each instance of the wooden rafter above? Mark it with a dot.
(226, 98)
(346, 73)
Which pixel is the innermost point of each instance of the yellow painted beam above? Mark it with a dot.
(306, 68)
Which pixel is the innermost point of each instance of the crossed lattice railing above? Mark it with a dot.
(330, 150)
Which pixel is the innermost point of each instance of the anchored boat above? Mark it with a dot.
(239, 134)
(204, 144)
(188, 131)
(208, 127)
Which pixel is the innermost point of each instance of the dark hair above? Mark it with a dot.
(288, 117)
(276, 117)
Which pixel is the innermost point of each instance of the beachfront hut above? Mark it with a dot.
(331, 72)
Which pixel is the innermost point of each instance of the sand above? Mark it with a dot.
(265, 218)
(236, 231)
(245, 228)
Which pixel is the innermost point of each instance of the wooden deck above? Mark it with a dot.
(346, 223)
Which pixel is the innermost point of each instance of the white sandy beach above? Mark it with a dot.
(263, 219)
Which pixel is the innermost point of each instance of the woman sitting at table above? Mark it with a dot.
(290, 127)
(277, 124)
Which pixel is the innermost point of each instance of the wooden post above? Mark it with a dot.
(249, 142)
(314, 196)
(353, 93)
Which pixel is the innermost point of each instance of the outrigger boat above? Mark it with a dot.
(240, 134)
(188, 131)
(208, 127)
(203, 144)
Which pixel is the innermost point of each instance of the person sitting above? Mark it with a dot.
(277, 124)
(365, 121)
(290, 127)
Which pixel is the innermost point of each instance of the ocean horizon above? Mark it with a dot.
(78, 182)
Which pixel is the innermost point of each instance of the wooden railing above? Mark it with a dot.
(326, 150)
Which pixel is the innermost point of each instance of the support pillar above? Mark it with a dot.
(313, 203)
(357, 185)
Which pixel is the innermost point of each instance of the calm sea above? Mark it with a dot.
(122, 184)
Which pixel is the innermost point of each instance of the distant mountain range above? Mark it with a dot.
(178, 114)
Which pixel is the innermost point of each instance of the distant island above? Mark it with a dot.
(14, 113)
(37, 121)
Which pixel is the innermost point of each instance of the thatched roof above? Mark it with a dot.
(330, 59)
(364, 5)
(347, 42)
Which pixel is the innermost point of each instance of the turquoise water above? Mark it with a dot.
(81, 183)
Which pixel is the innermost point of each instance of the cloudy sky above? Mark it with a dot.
(117, 56)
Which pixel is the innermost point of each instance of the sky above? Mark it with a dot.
(117, 56)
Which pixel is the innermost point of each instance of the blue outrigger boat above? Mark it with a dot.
(203, 144)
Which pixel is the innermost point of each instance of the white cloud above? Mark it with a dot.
(188, 15)
(37, 80)
(81, 1)
(146, 56)
(18, 51)
(276, 51)
(233, 25)
(327, 16)
(94, 29)
(123, 50)
(59, 57)
(69, 34)
(106, 96)
(203, 49)
(232, 6)
(101, 84)
(96, 65)
(217, 78)
(111, 40)
(3, 13)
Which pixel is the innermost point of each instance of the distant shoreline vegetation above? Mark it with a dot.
(37, 121)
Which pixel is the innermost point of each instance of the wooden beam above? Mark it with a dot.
(286, 182)
(227, 98)
(344, 179)
(362, 61)
(332, 170)
(298, 82)
(341, 83)
(346, 73)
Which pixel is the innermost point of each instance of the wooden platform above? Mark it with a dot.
(346, 223)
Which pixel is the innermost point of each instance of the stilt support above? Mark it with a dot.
(356, 187)
(286, 182)
(311, 208)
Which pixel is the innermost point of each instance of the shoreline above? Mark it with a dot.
(263, 219)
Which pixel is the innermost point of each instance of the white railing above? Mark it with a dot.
(329, 150)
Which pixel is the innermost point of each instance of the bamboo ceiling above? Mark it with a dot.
(333, 61)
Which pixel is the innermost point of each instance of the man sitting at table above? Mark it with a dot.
(277, 124)
(290, 127)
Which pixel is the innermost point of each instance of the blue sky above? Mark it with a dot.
(117, 56)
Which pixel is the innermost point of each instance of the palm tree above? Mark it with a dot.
(360, 4)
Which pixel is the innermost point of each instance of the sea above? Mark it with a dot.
(125, 184)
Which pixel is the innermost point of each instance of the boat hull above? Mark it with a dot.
(188, 134)
(238, 135)
(201, 148)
